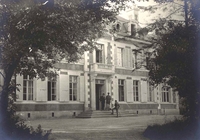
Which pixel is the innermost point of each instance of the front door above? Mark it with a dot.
(98, 94)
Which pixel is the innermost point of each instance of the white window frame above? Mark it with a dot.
(165, 94)
(27, 88)
(136, 94)
(53, 88)
(73, 80)
(99, 51)
(121, 87)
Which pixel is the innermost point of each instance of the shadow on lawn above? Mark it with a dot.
(175, 130)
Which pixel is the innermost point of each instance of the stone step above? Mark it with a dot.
(105, 114)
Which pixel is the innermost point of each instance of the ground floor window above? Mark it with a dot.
(27, 88)
(121, 89)
(165, 94)
(73, 83)
(135, 90)
(51, 88)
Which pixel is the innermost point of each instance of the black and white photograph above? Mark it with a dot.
(99, 69)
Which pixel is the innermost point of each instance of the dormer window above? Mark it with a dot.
(133, 30)
(118, 27)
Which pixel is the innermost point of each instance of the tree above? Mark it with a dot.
(36, 34)
(176, 59)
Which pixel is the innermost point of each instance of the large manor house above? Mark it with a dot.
(117, 66)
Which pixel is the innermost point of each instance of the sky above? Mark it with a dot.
(171, 11)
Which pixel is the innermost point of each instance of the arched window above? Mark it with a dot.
(165, 94)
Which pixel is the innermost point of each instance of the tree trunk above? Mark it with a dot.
(5, 116)
(186, 12)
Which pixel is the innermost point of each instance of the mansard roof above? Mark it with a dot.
(122, 19)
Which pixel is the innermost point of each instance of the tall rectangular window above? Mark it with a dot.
(27, 88)
(99, 53)
(165, 94)
(121, 89)
(73, 88)
(52, 88)
(151, 93)
(120, 56)
(135, 90)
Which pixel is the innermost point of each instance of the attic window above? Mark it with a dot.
(133, 30)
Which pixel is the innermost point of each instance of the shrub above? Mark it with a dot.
(14, 128)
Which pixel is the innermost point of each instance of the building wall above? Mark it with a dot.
(88, 71)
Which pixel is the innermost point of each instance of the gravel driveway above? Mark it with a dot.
(122, 128)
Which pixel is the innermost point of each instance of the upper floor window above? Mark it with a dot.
(120, 56)
(121, 89)
(99, 53)
(165, 94)
(51, 88)
(135, 90)
(27, 88)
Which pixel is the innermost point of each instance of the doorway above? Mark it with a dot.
(98, 94)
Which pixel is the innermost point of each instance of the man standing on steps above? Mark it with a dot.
(108, 99)
(102, 100)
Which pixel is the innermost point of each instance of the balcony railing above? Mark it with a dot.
(102, 68)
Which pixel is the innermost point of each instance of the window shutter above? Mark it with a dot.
(124, 62)
(115, 55)
(129, 57)
(139, 59)
(109, 54)
(103, 54)
(78, 88)
(139, 90)
(129, 88)
(119, 58)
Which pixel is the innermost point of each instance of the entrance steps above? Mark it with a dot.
(105, 114)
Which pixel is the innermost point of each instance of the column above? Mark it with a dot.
(92, 91)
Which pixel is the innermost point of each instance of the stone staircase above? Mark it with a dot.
(105, 114)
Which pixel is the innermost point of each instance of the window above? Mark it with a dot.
(99, 53)
(165, 94)
(73, 88)
(51, 88)
(121, 89)
(135, 90)
(120, 56)
(133, 30)
(118, 27)
(151, 93)
(27, 88)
